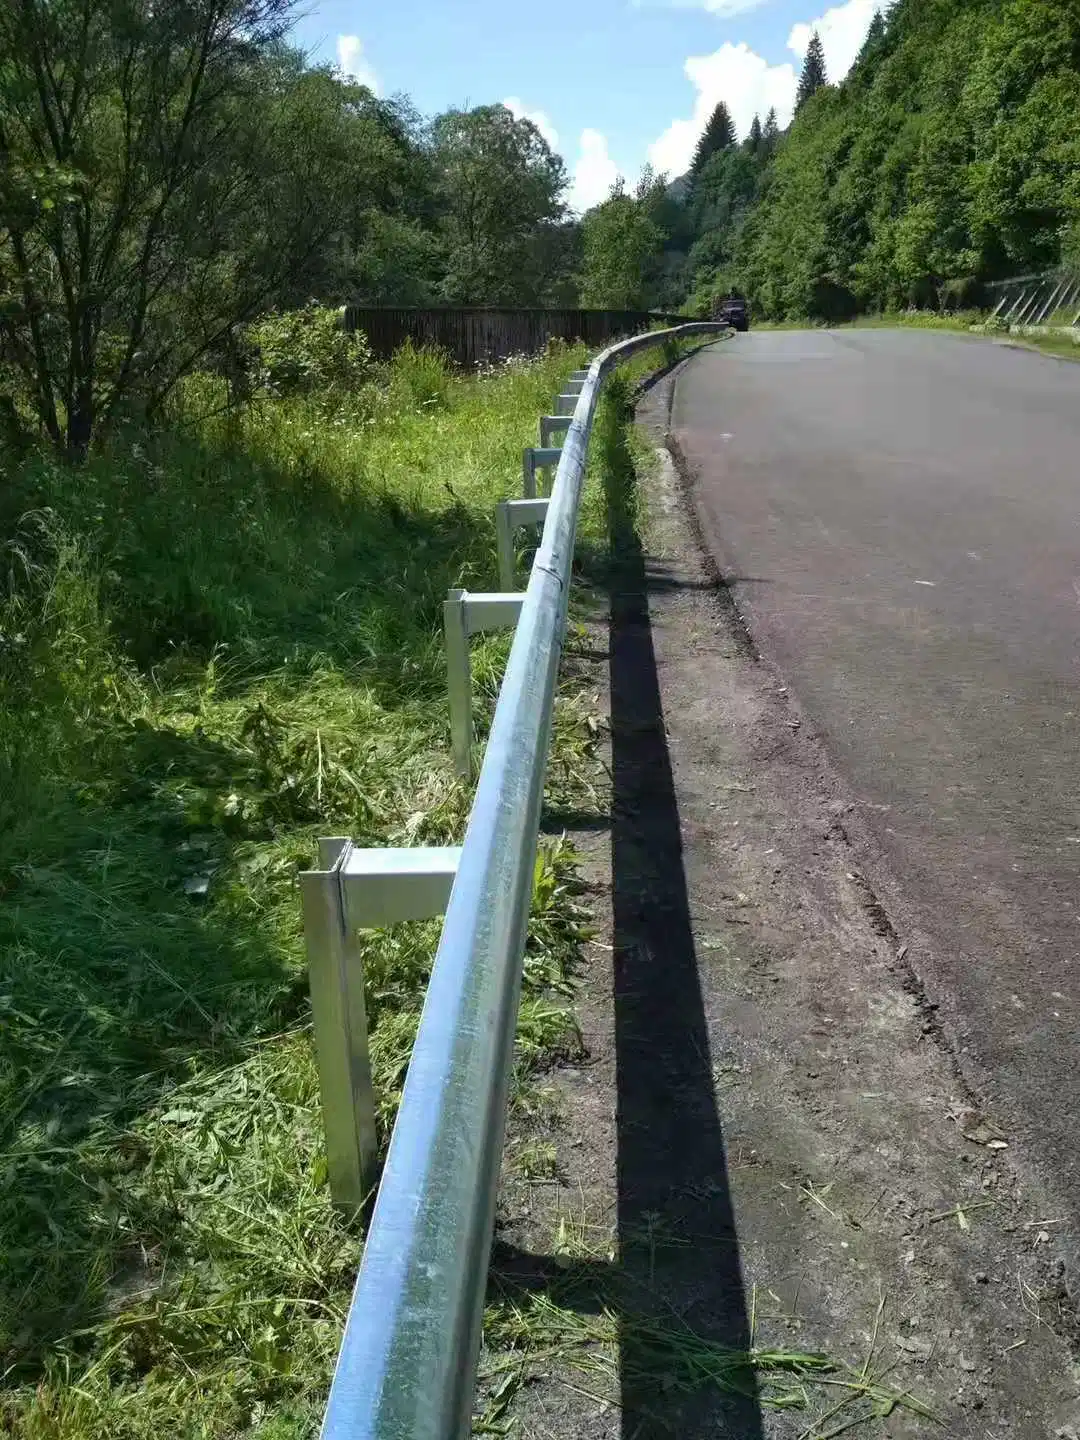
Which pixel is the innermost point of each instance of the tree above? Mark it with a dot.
(813, 75)
(874, 36)
(166, 168)
(621, 241)
(500, 191)
(754, 135)
(719, 134)
(770, 135)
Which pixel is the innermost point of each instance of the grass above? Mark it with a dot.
(215, 645)
(1063, 346)
(583, 1331)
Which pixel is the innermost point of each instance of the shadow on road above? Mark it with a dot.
(672, 1169)
(672, 1287)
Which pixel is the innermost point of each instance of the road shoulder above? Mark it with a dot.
(768, 1146)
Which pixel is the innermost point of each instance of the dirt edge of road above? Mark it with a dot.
(773, 1142)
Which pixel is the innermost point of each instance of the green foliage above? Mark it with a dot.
(719, 134)
(813, 75)
(500, 188)
(219, 640)
(184, 172)
(302, 351)
(184, 167)
(950, 154)
(621, 237)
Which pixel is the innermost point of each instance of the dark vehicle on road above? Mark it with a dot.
(733, 309)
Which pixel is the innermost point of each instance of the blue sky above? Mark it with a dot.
(612, 83)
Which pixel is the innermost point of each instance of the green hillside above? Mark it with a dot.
(949, 154)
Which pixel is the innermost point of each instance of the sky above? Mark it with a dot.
(612, 84)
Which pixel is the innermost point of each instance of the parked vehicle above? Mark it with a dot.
(733, 309)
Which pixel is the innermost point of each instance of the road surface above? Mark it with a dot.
(898, 514)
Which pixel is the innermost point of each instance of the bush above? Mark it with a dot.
(831, 301)
(963, 292)
(300, 351)
(419, 376)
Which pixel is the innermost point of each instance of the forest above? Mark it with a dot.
(948, 156)
(169, 173)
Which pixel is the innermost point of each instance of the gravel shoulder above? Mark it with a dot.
(769, 1145)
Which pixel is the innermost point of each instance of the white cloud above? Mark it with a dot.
(747, 84)
(539, 118)
(842, 30)
(352, 63)
(724, 8)
(594, 172)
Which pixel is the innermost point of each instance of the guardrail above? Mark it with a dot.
(1035, 299)
(407, 1366)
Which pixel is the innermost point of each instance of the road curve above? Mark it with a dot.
(898, 514)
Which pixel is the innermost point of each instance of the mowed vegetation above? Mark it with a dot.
(220, 639)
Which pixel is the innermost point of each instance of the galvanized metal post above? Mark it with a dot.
(465, 615)
(504, 544)
(552, 425)
(565, 404)
(534, 459)
(511, 515)
(339, 1021)
(458, 681)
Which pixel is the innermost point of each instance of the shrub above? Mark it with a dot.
(300, 351)
(419, 375)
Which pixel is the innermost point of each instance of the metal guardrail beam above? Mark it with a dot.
(407, 1367)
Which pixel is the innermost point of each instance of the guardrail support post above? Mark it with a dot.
(565, 404)
(533, 459)
(358, 889)
(511, 515)
(551, 425)
(465, 615)
(458, 681)
(339, 1021)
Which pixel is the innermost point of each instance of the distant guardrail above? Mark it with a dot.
(472, 335)
(407, 1365)
(1050, 298)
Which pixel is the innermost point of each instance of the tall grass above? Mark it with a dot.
(217, 643)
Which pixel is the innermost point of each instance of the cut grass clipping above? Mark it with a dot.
(216, 644)
(604, 1350)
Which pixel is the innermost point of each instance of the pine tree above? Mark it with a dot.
(813, 75)
(719, 134)
(873, 36)
(753, 139)
(770, 135)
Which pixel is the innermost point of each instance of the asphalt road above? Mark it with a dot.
(898, 514)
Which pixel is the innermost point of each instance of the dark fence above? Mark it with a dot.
(471, 336)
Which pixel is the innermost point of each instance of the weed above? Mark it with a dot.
(217, 643)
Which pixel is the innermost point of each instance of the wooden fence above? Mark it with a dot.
(472, 336)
